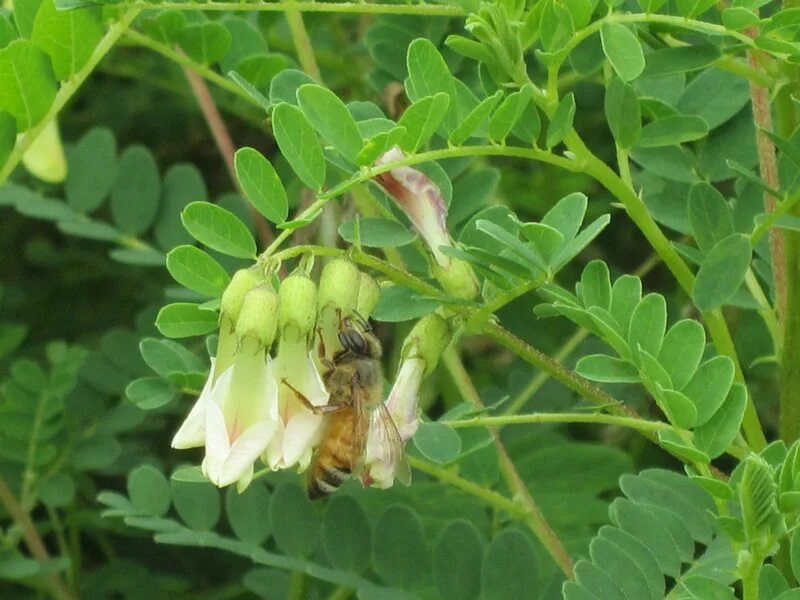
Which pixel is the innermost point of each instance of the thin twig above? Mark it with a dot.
(535, 519)
(222, 138)
(33, 542)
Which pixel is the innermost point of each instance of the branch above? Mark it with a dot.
(33, 542)
(535, 519)
(222, 138)
(430, 10)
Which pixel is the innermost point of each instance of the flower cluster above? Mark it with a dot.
(268, 370)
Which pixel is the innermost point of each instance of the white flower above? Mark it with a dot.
(298, 429)
(241, 417)
(382, 461)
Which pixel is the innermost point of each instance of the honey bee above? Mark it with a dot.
(354, 380)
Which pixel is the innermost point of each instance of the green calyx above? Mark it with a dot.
(258, 316)
(298, 307)
(428, 340)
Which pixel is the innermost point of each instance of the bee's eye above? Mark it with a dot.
(352, 340)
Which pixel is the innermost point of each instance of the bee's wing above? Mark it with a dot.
(361, 426)
(389, 438)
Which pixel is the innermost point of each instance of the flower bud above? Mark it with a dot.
(45, 157)
(338, 287)
(298, 307)
(421, 200)
(458, 279)
(257, 317)
(427, 341)
(369, 292)
(242, 282)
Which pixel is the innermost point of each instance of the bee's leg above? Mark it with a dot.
(321, 346)
(317, 410)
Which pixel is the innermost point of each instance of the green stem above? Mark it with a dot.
(68, 90)
(302, 43)
(639, 214)
(356, 8)
(567, 348)
(183, 60)
(535, 519)
(297, 586)
(367, 173)
(488, 496)
(772, 217)
(341, 593)
(600, 418)
(764, 308)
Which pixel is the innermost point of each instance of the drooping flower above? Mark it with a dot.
(420, 355)
(241, 411)
(236, 414)
(192, 432)
(422, 201)
(298, 428)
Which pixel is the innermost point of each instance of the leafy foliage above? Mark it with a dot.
(402, 140)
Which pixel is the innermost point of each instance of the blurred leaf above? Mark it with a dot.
(709, 215)
(205, 42)
(561, 123)
(510, 568)
(261, 184)
(137, 191)
(347, 535)
(722, 272)
(623, 50)
(457, 559)
(184, 319)
(249, 513)
(437, 442)
(400, 553)
(623, 112)
(27, 86)
(149, 491)
(299, 144)
(669, 61)
(92, 169)
(149, 393)
(399, 303)
(330, 117)
(295, 521)
(69, 37)
(715, 96)
(183, 183)
(218, 229)
(377, 233)
(197, 504)
(672, 130)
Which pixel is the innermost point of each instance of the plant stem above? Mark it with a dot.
(600, 418)
(33, 542)
(535, 519)
(639, 214)
(297, 586)
(67, 91)
(367, 173)
(356, 8)
(491, 498)
(224, 143)
(184, 61)
(302, 43)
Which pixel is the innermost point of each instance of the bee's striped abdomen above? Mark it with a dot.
(333, 463)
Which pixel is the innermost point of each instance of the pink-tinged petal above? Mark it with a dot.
(244, 452)
(404, 397)
(421, 200)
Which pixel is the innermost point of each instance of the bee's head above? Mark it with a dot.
(359, 340)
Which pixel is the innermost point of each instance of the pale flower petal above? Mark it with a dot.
(404, 397)
(244, 452)
(192, 432)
